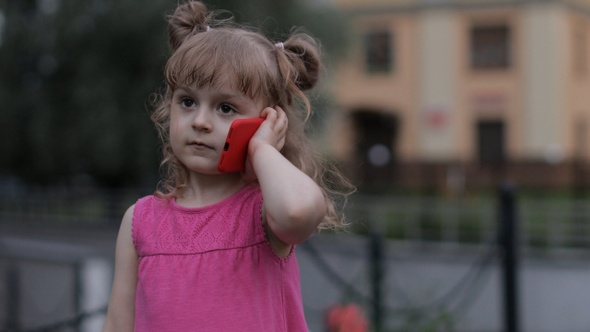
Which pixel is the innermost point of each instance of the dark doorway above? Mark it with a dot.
(490, 141)
(375, 152)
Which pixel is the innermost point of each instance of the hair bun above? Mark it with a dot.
(188, 19)
(305, 58)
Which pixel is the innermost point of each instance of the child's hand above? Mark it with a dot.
(272, 131)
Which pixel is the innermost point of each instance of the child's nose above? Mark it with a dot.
(202, 120)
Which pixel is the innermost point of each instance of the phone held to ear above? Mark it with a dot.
(235, 150)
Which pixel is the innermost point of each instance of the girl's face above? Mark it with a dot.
(199, 122)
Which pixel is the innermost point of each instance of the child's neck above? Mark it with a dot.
(203, 191)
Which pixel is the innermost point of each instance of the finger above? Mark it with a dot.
(281, 143)
(282, 119)
(285, 121)
(280, 112)
(282, 128)
(269, 113)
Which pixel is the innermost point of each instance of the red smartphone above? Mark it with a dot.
(235, 150)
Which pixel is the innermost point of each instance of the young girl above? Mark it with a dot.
(213, 251)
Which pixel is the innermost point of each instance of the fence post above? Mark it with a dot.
(13, 298)
(376, 261)
(508, 239)
(94, 277)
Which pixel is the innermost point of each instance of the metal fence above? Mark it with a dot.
(545, 223)
(556, 221)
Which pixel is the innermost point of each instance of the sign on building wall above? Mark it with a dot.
(436, 117)
(489, 102)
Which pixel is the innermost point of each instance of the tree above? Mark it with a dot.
(76, 79)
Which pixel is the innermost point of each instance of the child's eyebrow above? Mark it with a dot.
(182, 90)
(234, 97)
(229, 96)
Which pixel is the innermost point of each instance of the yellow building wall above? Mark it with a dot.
(545, 64)
(437, 87)
(542, 98)
(490, 95)
(578, 85)
(395, 92)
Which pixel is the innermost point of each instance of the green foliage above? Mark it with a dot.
(76, 79)
(75, 90)
(277, 18)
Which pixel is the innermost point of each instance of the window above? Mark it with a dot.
(379, 51)
(490, 47)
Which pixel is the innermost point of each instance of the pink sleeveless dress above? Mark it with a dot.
(212, 269)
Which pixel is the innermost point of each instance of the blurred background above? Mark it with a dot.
(464, 124)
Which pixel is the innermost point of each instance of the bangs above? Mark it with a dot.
(216, 58)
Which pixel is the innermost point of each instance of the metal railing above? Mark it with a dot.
(546, 223)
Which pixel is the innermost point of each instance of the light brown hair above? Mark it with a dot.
(209, 51)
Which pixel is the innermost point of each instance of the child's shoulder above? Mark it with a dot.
(150, 200)
(147, 205)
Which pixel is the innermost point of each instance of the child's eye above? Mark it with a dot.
(187, 102)
(226, 109)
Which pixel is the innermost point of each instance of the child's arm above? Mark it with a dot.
(121, 312)
(294, 204)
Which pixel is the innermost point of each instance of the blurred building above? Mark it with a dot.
(458, 93)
